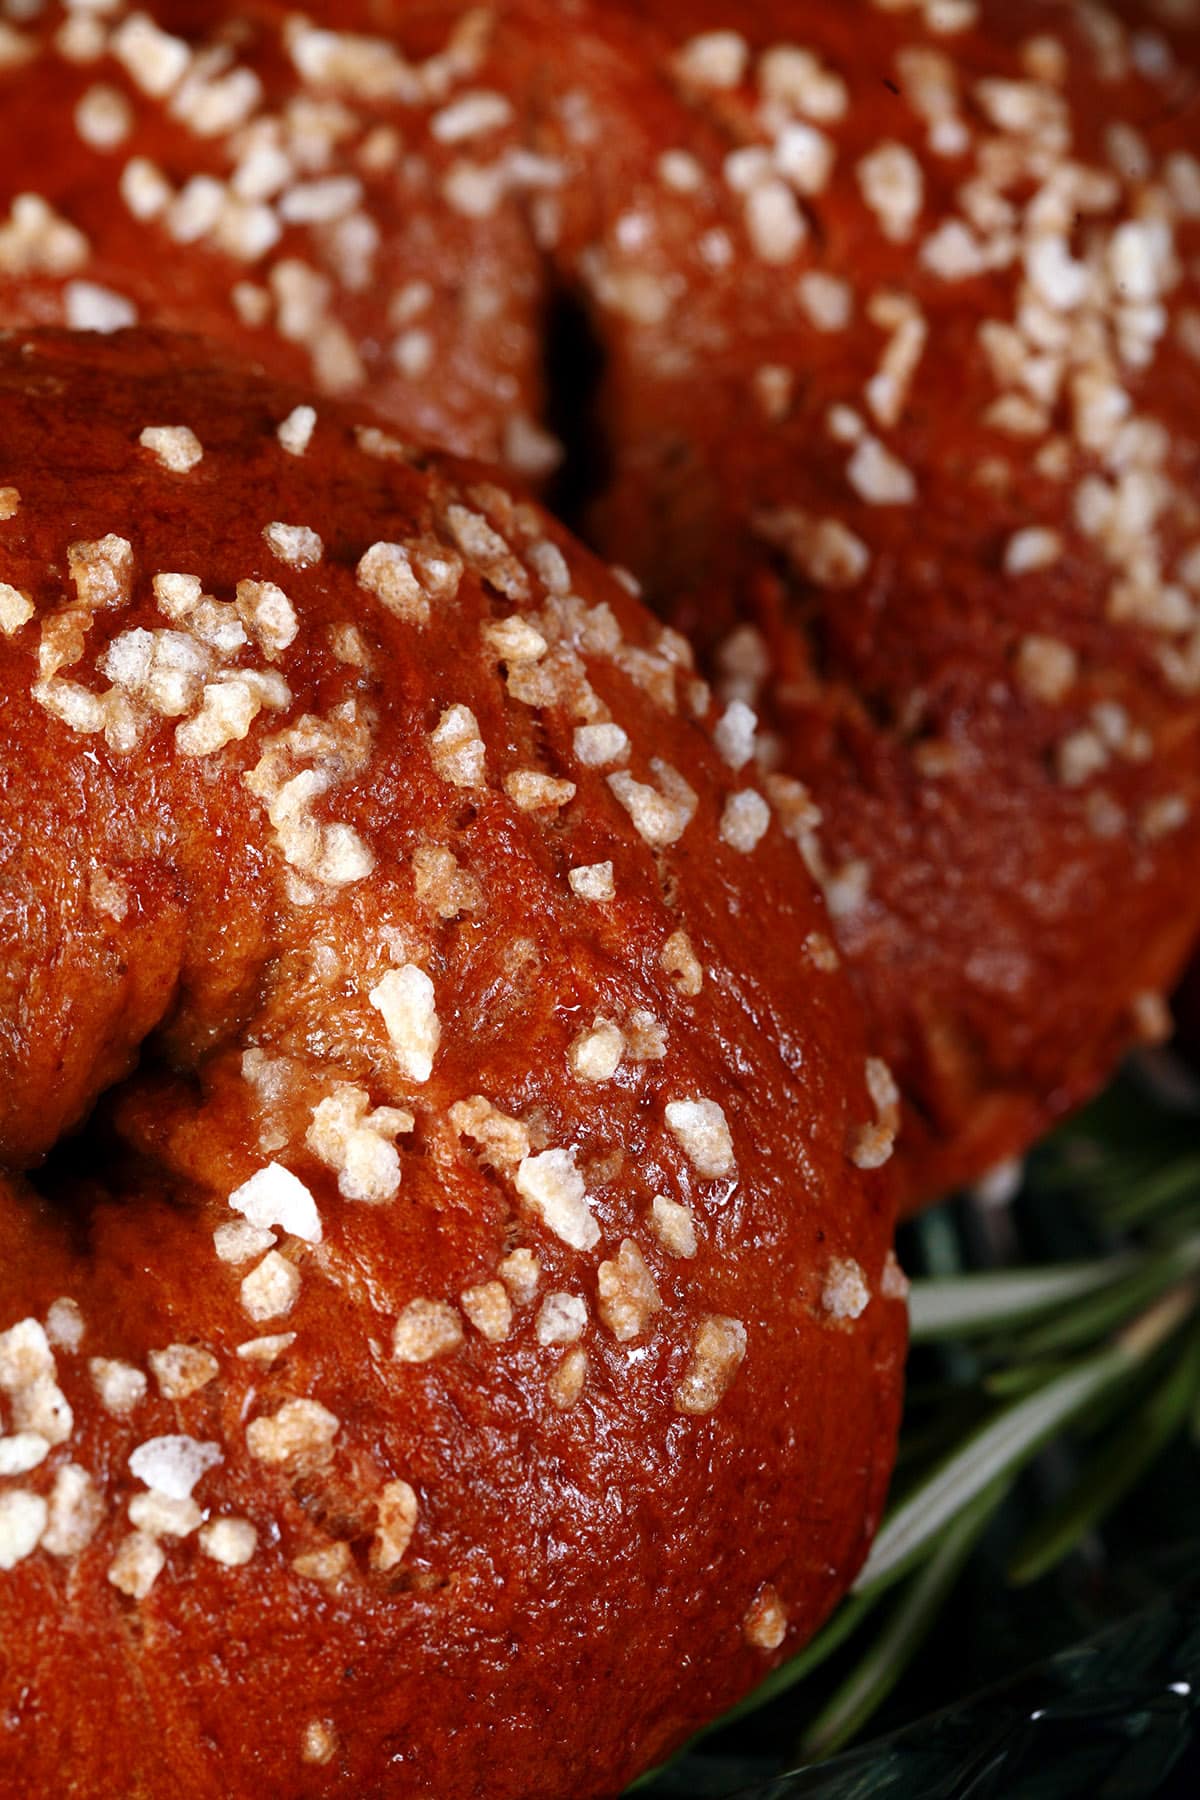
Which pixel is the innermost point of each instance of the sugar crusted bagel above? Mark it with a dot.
(301, 195)
(890, 349)
(461, 1351)
(900, 412)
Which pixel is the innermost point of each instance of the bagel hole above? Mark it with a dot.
(83, 1156)
(96, 1160)
(78, 1173)
(574, 364)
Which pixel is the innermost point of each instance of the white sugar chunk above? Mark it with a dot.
(553, 1185)
(297, 545)
(182, 1369)
(457, 748)
(103, 116)
(765, 1623)
(22, 1522)
(744, 820)
(16, 608)
(426, 1329)
(562, 1319)
(1035, 547)
(295, 432)
(534, 792)
(301, 1431)
(714, 59)
(660, 818)
(274, 1196)
(176, 446)
(25, 1356)
(678, 959)
(718, 1351)
(78, 708)
(734, 734)
(22, 1451)
(520, 1271)
(489, 1309)
(844, 1292)
(627, 1296)
(398, 1510)
(386, 571)
(90, 307)
(405, 1000)
(266, 1350)
(155, 61)
(775, 224)
(566, 1384)
(595, 1054)
(230, 1542)
(592, 881)
(64, 1324)
(76, 1512)
(794, 78)
(159, 1515)
(239, 1241)
(28, 1375)
(529, 448)
(878, 477)
(596, 745)
(268, 616)
(673, 1226)
(470, 115)
(515, 640)
(144, 189)
(137, 1565)
(119, 1385)
(893, 185)
(550, 566)
(703, 1134)
(271, 1289)
(828, 301)
(228, 708)
(355, 1141)
(172, 1465)
(805, 157)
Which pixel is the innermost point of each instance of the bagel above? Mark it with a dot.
(229, 170)
(900, 415)
(449, 1341)
(871, 333)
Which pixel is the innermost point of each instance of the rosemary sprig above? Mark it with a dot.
(1011, 1440)
(1109, 1474)
(983, 1304)
(911, 1619)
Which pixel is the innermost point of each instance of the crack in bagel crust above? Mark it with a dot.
(881, 329)
(439, 1230)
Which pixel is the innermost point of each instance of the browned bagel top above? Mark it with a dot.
(464, 1350)
(902, 313)
(871, 332)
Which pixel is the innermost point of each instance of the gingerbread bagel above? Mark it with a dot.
(900, 421)
(867, 335)
(449, 1343)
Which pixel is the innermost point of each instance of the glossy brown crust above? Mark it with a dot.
(1005, 768)
(222, 171)
(528, 1567)
(1000, 730)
